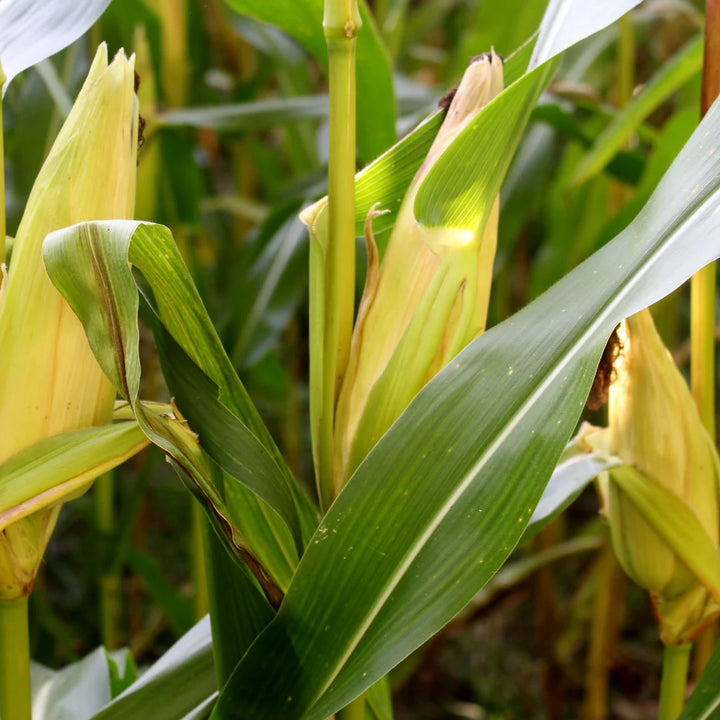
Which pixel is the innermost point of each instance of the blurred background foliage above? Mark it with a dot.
(234, 144)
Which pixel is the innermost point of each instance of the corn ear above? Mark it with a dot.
(424, 302)
(50, 381)
(655, 427)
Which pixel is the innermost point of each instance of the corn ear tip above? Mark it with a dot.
(122, 57)
(100, 61)
(122, 67)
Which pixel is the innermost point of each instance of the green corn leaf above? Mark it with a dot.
(59, 468)
(238, 608)
(704, 703)
(672, 75)
(250, 115)
(443, 498)
(91, 264)
(181, 680)
(574, 471)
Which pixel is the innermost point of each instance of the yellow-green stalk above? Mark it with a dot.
(330, 351)
(49, 380)
(332, 281)
(655, 427)
(423, 304)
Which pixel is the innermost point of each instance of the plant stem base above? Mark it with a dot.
(14, 660)
(674, 678)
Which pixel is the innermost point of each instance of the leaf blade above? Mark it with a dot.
(431, 544)
(177, 683)
(61, 467)
(685, 64)
(32, 30)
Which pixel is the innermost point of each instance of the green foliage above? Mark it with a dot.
(303, 21)
(479, 462)
(413, 540)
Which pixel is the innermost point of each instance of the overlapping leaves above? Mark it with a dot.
(263, 515)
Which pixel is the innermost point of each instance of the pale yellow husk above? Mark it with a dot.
(654, 425)
(49, 380)
(423, 304)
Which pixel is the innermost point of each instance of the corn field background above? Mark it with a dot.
(463, 565)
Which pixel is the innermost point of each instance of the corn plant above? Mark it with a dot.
(433, 440)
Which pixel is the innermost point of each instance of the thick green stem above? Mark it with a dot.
(674, 679)
(14, 660)
(341, 24)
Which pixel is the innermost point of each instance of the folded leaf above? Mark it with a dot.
(90, 263)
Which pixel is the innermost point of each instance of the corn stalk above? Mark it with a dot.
(330, 344)
(14, 660)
